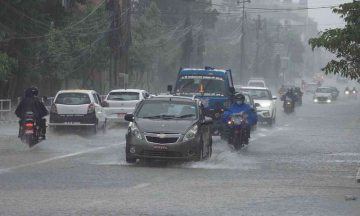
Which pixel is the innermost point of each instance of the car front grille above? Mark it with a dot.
(322, 98)
(158, 153)
(161, 140)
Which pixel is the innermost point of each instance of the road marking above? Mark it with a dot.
(59, 157)
(142, 185)
(358, 176)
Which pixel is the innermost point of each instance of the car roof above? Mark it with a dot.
(126, 90)
(76, 90)
(255, 88)
(325, 87)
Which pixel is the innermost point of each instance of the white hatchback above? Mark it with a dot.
(265, 103)
(120, 102)
(74, 108)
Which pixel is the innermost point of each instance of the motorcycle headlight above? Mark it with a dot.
(265, 105)
(354, 92)
(191, 133)
(135, 131)
(347, 92)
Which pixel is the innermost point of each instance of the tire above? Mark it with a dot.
(104, 128)
(130, 160)
(200, 156)
(238, 140)
(30, 141)
(210, 149)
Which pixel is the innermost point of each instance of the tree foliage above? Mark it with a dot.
(345, 42)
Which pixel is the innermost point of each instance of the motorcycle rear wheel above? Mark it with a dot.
(238, 140)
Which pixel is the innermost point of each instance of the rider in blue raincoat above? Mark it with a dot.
(238, 106)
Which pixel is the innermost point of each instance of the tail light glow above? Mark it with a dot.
(105, 104)
(29, 125)
(54, 108)
(91, 108)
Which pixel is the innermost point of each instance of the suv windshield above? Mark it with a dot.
(256, 84)
(162, 109)
(73, 99)
(323, 90)
(198, 85)
(123, 96)
(259, 94)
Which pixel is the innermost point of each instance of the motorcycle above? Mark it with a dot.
(288, 105)
(237, 130)
(29, 130)
(299, 101)
(354, 95)
(347, 94)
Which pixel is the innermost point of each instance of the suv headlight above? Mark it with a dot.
(135, 131)
(191, 133)
(265, 105)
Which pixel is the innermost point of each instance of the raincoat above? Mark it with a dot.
(235, 108)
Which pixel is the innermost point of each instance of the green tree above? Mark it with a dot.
(343, 42)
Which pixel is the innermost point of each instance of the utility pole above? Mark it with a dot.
(187, 46)
(242, 60)
(258, 23)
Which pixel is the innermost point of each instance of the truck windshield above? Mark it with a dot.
(201, 85)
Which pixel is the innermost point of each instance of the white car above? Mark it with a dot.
(256, 82)
(120, 102)
(311, 87)
(323, 95)
(75, 108)
(265, 103)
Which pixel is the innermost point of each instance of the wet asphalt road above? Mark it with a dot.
(304, 165)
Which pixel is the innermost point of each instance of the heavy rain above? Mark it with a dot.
(179, 107)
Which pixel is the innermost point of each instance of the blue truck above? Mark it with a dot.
(215, 89)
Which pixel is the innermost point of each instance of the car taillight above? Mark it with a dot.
(29, 125)
(105, 104)
(54, 109)
(314, 77)
(91, 108)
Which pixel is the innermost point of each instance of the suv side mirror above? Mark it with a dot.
(257, 104)
(169, 88)
(129, 117)
(207, 121)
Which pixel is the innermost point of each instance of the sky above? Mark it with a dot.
(325, 18)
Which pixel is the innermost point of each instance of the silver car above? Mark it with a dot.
(120, 102)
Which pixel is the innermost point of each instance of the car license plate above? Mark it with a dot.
(72, 123)
(29, 131)
(120, 115)
(161, 147)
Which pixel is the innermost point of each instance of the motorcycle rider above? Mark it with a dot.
(31, 103)
(282, 90)
(290, 94)
(354, 90)
(319, 84)
(238, 106)
(299, 94)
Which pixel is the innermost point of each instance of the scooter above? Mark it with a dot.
(29, 130)
(237, 130)
(354, 95)
(289, 106)
(347, 94)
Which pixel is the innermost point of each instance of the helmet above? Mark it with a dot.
(239, 98)
(34, 90)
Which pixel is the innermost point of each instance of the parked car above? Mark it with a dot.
(256, 82)
(265, 103)
(335, 93)
(323, 95)
(77, 108)
(311, 88)
(167, 128)
(120, 102)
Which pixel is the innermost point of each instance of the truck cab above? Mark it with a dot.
(213, 87)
